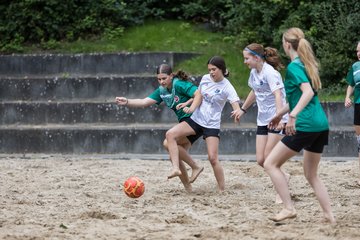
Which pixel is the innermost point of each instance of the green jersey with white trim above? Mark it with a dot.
(180, 92)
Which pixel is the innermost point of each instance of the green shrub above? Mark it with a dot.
(337, 28)
(332, 26)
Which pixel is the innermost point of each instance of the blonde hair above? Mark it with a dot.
(296, 37)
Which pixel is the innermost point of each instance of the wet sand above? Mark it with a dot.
(80, 197)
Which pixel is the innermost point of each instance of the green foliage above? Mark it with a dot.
(332, 26)
(337, 28)
(52, 20)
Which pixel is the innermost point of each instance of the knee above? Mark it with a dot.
(165, 144)
(169, 135)
(213, 159)
(260, 161)
(268, 166)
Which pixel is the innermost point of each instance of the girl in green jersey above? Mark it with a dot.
(307, 128)
(353, 79)
(176, 93)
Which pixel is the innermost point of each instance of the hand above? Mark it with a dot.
(280, 126)
(348, 102)
(274, 123)
(180, 106)
(290, 127)
(236, 114)
(187, 110)
(121, 101)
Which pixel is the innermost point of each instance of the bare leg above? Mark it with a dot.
(277, 157)
(185, 178)
(183, 146)
(311, 163)
(264, 145)
(172, 135)
(212, 144)
(358, 181)
(357, 131)
(278, 199)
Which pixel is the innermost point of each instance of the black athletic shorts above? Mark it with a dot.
(357, 114)
(201, 131)
(264, 130)
(310, 141)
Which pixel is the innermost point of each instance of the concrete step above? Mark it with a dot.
(62, 88)
(139, 139)
(92, 63)
(106, 111)
(19, 112)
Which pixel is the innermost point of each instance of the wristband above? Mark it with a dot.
(127, 101)
(243, 110)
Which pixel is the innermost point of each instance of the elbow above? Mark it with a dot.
(311, 93)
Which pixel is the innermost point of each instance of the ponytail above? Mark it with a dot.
(268, 54)
(296, 37)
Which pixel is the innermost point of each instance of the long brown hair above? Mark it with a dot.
(296, 37)
(166, 69)
(269, 54)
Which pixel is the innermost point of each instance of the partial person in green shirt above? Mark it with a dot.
(307, 128)
(353, 79)
(176, 92)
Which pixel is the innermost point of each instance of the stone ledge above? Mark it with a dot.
(91, 63)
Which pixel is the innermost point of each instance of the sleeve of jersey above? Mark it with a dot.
(297, 74)
(232, 94)
(155, 95)
(275, 81)
(350, 77)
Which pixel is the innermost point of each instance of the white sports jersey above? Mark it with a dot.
(215, 95)
(263, 85)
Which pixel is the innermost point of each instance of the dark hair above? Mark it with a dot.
(269, 54)
(219, 62)
(166, 69)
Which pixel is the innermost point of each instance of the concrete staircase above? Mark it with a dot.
(65, 104)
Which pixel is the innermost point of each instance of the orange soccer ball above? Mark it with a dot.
(134, 187)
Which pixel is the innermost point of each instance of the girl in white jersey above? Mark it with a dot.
(209, 100)
(267, 89)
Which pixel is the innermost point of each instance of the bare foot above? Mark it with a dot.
(195, 173)
(278, 199)
(174, 173)
(329, 218)
(284, 214)
(188, 188)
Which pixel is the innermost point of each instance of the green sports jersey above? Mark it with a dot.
(180, 92)
(353, 79)
(312, 118)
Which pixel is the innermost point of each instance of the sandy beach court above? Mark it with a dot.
(80, 197)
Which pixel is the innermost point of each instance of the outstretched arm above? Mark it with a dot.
(145, 102)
